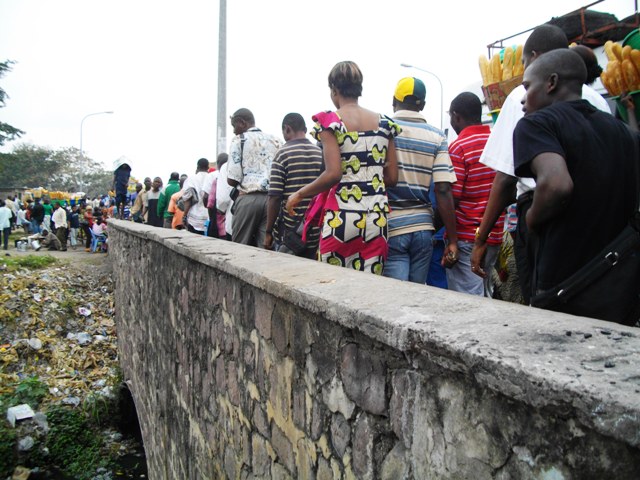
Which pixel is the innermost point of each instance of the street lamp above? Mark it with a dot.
(81, 154)
(406, 65)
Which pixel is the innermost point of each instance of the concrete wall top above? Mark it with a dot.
(542, 358)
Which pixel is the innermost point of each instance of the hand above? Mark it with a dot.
(292, 203)
(627, 101)
(477, 259)
(450, 255)
(268, 241)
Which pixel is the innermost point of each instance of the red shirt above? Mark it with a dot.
(473, 184)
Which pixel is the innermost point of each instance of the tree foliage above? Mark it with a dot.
(7, 132)
(63, 170)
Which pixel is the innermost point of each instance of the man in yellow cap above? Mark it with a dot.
(423, 157)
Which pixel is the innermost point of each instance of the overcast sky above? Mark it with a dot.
(154, 64)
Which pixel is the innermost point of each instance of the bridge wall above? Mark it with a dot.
(245, 363)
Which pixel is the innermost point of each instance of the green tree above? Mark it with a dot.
(76, 173)
(7, 132)
(28, 166)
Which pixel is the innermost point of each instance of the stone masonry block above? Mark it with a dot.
(404, 386)
(260, 421)
(364, 378)
(395, 465)
(264, 305)
(364, 436)
(281, 326)
(283, 448)
(260, 461)
(340, 434)
(221, 375)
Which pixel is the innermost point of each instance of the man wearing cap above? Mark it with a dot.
(422, 154)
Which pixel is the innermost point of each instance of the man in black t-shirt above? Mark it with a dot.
(583, 161)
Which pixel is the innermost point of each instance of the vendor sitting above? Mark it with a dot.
(50, 241)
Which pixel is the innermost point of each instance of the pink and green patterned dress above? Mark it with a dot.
(354, 227)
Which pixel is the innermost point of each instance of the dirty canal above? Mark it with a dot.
(68, 412)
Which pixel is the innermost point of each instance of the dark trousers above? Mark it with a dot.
(61, 233)
(87, 236)
(522, 248)
(5, 237)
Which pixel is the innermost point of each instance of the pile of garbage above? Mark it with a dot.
(58, 348)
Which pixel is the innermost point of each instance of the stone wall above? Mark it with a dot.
(246, 364)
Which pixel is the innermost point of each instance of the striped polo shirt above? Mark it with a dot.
(473, 185)
(295, 165)
(422, 154)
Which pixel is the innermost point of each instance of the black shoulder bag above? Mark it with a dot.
(608, 287)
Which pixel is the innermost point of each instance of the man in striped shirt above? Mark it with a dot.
(297, 163)
(421, 150)
(471, 193)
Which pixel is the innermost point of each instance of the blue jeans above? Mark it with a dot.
(35, 226)
(409, 256)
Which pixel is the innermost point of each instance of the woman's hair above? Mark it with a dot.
(346, 78)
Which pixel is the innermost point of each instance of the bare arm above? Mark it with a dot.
(503, 193)
(327, 179)
(273, 208)
(390, 172)
(446, 209)
(554, 187)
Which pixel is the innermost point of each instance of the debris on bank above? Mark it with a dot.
(59, 363)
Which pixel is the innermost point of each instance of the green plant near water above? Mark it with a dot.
(99, 409)
(73, 443)
(30, 390)
(7, 450)
(32, 262)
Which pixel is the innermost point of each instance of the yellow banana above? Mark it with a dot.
(507, 64)
(484, 69)
(630, 75)
(518, 65)
(626, 52)
(495, 69)
(616, 48)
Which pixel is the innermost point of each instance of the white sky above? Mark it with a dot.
(154, 63)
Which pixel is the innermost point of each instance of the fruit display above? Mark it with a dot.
(623, 69)
(501, 67)
(500, 75)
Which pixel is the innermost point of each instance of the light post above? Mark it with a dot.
(406, 65)
(81, 154)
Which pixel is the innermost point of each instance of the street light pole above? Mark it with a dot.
(406, 65)
(81, 154)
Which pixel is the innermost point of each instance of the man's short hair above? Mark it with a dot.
(590, 60)
(468, 106)
(244, 114)
(565, 63)
(174, 176)
(203, 164)
(545, 38)
(295, 121)
(346, 78)
(221, 160)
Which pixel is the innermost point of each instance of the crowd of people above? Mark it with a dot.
(57, 224)
(388, 195)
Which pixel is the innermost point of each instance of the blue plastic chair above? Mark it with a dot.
(96, 240)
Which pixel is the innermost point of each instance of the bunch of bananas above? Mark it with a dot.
(623, 69)
(494, 71)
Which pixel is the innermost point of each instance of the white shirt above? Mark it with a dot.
(59, 218)
(198, 213)
(223, 200)
(5, 217)
(498, 152)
